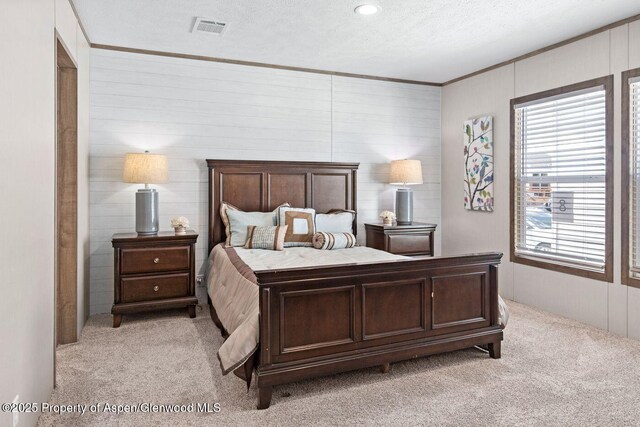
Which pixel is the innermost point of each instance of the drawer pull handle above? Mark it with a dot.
(156, 260)
(156, 288)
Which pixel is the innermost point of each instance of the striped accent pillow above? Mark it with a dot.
(330, 241)
(266, 237)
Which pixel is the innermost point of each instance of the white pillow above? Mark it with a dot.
(225, 208)
(339, 222)
(239, 221)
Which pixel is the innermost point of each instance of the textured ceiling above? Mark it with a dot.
(428, 40)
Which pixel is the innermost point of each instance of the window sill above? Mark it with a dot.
(606, 276)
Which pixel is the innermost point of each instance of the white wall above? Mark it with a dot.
(83, 58)
(610, 306)
(193, 110)
(27, 191)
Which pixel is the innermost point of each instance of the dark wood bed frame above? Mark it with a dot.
(324, 320)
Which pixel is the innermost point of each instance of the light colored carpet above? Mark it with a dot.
(553, 371)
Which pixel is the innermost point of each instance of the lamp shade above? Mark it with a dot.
(405, 172)
(144, 168)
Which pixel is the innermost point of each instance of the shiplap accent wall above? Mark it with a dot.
(193, 110)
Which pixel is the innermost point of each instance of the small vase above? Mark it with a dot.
(180, 230)
(388, 221)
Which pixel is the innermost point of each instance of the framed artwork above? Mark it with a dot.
(478, 164)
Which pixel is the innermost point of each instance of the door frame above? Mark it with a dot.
(66, 196)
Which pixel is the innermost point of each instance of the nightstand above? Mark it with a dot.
(414, 240)
(153, 272)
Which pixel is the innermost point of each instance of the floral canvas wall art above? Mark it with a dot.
(478, 164)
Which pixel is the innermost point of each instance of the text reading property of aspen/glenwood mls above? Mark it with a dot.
(104, 407)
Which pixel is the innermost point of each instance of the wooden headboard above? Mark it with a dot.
(264, 185)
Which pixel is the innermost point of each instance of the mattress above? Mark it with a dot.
(231, 284)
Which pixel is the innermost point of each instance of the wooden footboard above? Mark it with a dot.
(320, 321)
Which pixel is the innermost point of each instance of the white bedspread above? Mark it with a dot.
(259, 259)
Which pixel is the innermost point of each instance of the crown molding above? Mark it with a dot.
(259, 64)
(75, 12)
(546, 49)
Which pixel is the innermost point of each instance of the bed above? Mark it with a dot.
(319, 314)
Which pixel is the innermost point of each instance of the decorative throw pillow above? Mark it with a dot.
(300, 223)
(336, 221)
(330, 241)
(266, 237)
(236, 221)
(224, 207)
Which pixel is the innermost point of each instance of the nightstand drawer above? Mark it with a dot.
(409, 244)
(151, 260)
(146, 288)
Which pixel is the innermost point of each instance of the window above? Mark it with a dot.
(561, 189)
(631, 177)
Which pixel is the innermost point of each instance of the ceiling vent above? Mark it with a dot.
(209, 26)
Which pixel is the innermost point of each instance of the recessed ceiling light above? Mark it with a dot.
(366, 9)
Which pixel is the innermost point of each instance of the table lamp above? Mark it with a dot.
(405, 172)
(145, 168)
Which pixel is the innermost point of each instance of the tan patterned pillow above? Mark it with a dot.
(224, 207)
(300, 223)
(266, 237)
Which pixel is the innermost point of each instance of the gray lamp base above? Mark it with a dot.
(404, 206)
(147, 212)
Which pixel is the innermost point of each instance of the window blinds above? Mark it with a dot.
(634, 139)
(560, 170)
